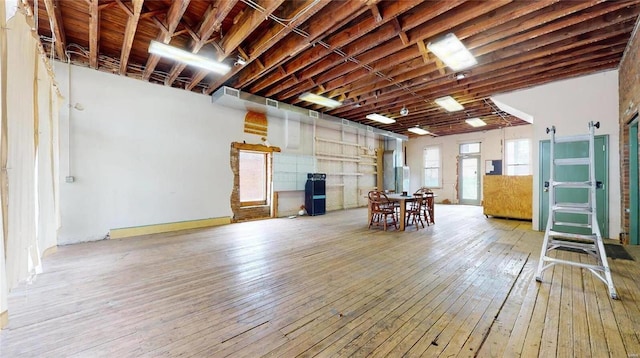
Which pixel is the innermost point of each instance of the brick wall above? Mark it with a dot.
(241, 213)
(629, 92)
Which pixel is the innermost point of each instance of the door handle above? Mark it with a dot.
(546, 186)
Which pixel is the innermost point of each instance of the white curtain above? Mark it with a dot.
(29, 138)
(4, 287)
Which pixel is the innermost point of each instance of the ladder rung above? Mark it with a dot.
(572, 184)
(574, 138)
(572, 161)
(572, 208)
(566, 223)
(569, 235)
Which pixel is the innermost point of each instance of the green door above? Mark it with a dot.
(633, 184)
(576, 173)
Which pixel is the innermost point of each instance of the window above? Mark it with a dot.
(470, 148)
(253, 178)
(518, 157)
(432, 177)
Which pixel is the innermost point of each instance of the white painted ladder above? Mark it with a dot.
(554, 239)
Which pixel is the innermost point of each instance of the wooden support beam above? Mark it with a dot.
(423, 51)
(57, 29)
(243, 25)
(401, 34)
(94, 33)
(125, 8)
(172, 19)
(376, 13)
(129, 34)
(213, 18)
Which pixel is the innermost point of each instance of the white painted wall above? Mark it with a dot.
(569, 105)
(145, 154)
(492, 144)
(141, 154)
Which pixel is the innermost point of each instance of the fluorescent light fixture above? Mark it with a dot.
(321, 100)
(449, 103)
(418, 130)
(380, 118)
(160, 49)
(452, 52)
(476, 122)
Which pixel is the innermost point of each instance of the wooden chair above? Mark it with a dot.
(414, 211)
(381, 209)
(427, 209)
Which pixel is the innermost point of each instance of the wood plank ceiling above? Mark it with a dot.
(371, 55)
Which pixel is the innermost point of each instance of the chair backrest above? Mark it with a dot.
(424, 190)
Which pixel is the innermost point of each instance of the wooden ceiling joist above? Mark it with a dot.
(171, 22)
(211, 22)
(247, 23)
(57, 29)
(371, 55)
(129, 33)
(94, 33)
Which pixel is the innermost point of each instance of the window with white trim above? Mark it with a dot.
(432, 167)
(518, 156)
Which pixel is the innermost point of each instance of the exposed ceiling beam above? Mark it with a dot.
(211, 22)
(172, 19)
(271, 37)
(129, 34)
(341, 39)
(294, 43)
(248, 21)
(57, 27)
(94, 33)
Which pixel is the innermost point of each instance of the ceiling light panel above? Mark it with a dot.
(321, 100)
(449, 103)
(476, 122)
(163, 50)
(452, 52)
(380, 118)
(418, 130)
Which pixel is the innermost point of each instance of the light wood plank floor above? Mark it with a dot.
(324, 286)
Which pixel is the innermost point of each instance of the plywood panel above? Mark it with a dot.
(508, 196)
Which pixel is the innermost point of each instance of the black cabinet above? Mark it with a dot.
(315, 195)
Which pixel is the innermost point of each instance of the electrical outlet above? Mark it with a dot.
(70, 179)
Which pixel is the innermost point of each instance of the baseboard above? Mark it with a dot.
(121, 233)
(4, 319)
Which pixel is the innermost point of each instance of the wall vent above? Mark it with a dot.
(272, 103)
(345, 122)
(313, 114)
(232, 92)
(369, 129)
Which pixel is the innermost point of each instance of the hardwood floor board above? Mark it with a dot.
(505, 326)
(322, 286)
(365, 341)
(364, 324)
(474, 330)
(310, 329)
(440, 259)
(447, 299)
(580, 327)
(564, 346)
(533, 339)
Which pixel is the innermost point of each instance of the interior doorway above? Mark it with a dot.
(576, 173)
(469, 180)
(634, 183)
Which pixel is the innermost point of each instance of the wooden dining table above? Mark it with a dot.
(402, 201)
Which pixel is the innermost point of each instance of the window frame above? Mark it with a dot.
(508, 165)
(265, 201)
(438, 167)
